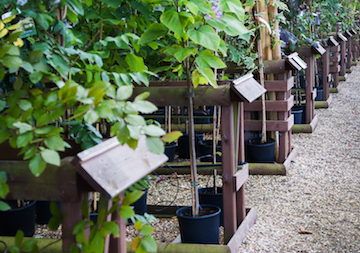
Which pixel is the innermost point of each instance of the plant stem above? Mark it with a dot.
(194, 186)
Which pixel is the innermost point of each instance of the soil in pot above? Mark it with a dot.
(208, 196)
(206, 151)
(18, 218)
(257, 152)
(203, 229)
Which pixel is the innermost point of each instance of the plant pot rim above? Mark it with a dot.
(203, 191)
(268, 142)
(182, 209)
(18, 209)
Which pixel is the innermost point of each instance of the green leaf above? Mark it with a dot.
(51, 157)
(35, 56)
(135, 120)
(206, 37)
(4, 190)
(55, 142)
(146, 230)
(208, 73)
(179, 52)
(135, 132)
(30, 153)
(142, 96)
(172, 136)
(233, 6)
(5, 207)
(144, 106)
(54, 223)
(208, 59)
(153, 130)
(217, 23)
(35, 77)
(29, 245)
(79, 227)
(23, 127)
(124, 92)
(149, 243)
(43, 120)
(171, 20)
(123, 135)
(153, 32)
(233, 26)
(91, 116)
(19, 238)
(3, 177)
(75, 6)
(155, 145)
(24, 139)
(193, 8)
(126, 212)
(135, 63)
(25, 104)
(37, 165)
(203, 6)
(27, 66)
(97, 243)
(11, 61)
(109, 227)
(4, 134)
(132, 197)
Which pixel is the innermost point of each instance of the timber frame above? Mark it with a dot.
(311, 120)
(237, 219)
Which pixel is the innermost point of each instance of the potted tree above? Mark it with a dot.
(193, 47)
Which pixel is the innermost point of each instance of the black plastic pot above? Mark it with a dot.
(298, 115)
(202, 120)
(257, 152)
(302, 108)
(208, 196)
(319, 95)
(206, 151)
(199, 229)
(170, 151)
(183, 145)
(22, 218)
(43, 213)
(140, 205)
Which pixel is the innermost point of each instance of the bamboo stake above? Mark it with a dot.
(261, 74)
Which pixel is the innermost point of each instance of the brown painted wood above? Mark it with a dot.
(241, 176)
(55, 183)
(244, 227)
(174, 96)
(325, 72)
(310, 82)
(240, 205)
(334, 69)
(343, 58)
(73, 216)
(241, 133)
(280, 85)
(282, 126)
(228, 169)
(272, 106)
(118, 244)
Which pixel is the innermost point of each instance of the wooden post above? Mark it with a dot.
(325, 71)
(228, 171)
(118, 244)
(310, 80)
(73, 215)
(342, 58)
(349, 53)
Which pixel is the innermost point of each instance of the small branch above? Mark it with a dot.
(47, 33)
(86, 47)
(40, 250)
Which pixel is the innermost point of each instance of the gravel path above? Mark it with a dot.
(316, 207)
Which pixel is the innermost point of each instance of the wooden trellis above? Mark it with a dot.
(311, 120)
(237, 219)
